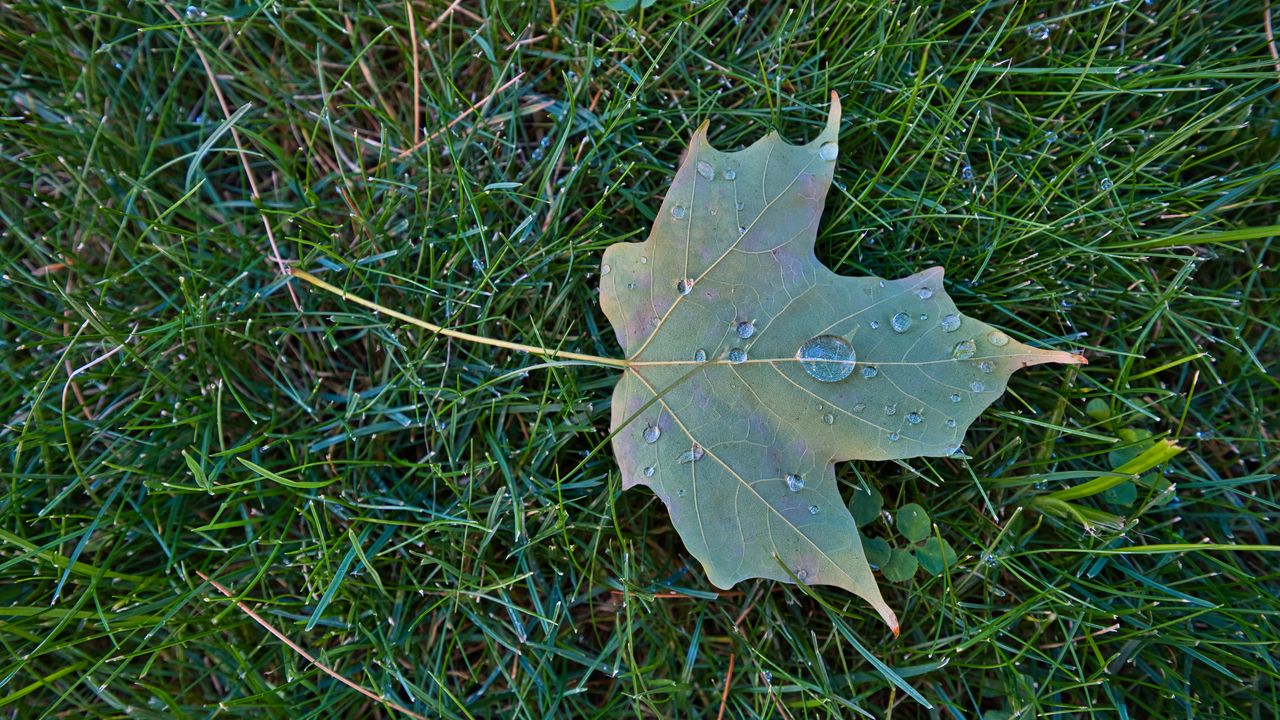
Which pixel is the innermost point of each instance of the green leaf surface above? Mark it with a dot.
(901, 566)
(936, 555)
(913, 522)
(753, 369)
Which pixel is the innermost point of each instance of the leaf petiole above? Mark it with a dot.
(458, 334)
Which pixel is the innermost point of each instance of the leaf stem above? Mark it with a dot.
(457, 334)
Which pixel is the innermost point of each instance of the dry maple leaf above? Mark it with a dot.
(752, 368)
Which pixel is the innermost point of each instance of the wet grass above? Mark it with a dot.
(441, 530)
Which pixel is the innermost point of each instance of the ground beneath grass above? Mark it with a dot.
(440, 522)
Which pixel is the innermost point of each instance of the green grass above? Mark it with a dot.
(452, 535)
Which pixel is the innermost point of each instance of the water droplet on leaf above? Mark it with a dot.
(730, 174)
(746, 329)
(795, 483)
(699, 355)
(986, 366)
(827, 358)
(652, 433)
(677, 212)
(955, 397)
(829, 151)
(693, 455)
(813, 509)
(901, 322)
(914, 418)
(869, 372)
(949, 323)
(685, 286)
(925, 293)
(648, 472)
(737, 355)
(829, 419)
(997, 338)
(705, 170)
(977, 386)
(964, 350)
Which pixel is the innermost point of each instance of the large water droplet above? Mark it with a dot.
(828, 358)
(730, 174)
(705, 170)
(685, 286)
(949, 323)
(829, 419)
(964, 350)
(955, 397)
(699, 355)
(914, 418)
(737, 355)
(986, 366)
(869, 372)
(795, 483)
(677, 212)
(977, 386)
(652, 433)
(901, 322)
(693, 455)
(829, 151)
(649, 471)
(997, 338)
(746, 329)
(925, 293)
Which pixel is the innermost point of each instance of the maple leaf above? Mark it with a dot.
(751, 368)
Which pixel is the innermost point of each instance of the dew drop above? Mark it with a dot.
(644, 260)
(829, 151)
(894, 437)
(875, 324)
(955, 397)
(652, 433)
(859, 407)
(705, 170)
(802, 575)
(737, 355)
(746, 329)
(951, 422)
(914, 418)
(949, 323)
(605, 269)
(699, 355)
(977, 386)
(685, 286)
(730, 174)
(925, 293)
(1038, 31)
(795, 483)
(677, 212)
(742, 229)
(827, 358)
(813, 509)
(869, 372)
(986, 366)
(648, 472)
(964, 350)
(631, 286)
(1106, 184)
(891, 409)
(900, 322)
(923, 317)
(693, 455)
(829, 419)
(997, 338)
(680, 492)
